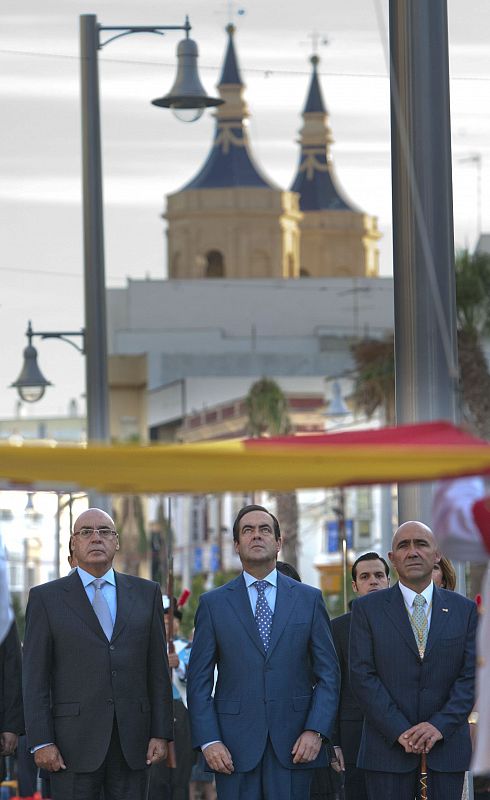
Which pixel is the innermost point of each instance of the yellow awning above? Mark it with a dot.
(408, 453)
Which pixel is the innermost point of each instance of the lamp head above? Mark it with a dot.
(31, 383)
(187, 98)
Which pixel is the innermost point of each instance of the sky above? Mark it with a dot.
(148, 153)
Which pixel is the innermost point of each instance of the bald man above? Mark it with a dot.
(412, 669)
(97, 692)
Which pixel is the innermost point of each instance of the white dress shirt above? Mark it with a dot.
(409, 595)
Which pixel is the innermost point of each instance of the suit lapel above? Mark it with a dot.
(397, 612)
(76, 597)
(125, 600)
(438, 618)
(285, 601)
(237, 596)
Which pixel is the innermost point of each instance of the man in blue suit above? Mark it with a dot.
(412, 668)
(277, 682)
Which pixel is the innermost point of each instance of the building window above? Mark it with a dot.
(215, 266)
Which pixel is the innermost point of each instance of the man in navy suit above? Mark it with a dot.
(412, 669)
(370, 573)
(277, 682)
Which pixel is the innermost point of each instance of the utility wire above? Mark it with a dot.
(266, 72)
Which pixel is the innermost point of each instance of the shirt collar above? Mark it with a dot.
(270, 578)
(87, 578)
(409, 594)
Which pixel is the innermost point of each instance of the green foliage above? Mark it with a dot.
(190, 608)
(20, 616)
(473, 292)
(375, 381)
(267, 409)
(197, 589)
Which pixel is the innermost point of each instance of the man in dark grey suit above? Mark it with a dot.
(97, 693)
(370, 573)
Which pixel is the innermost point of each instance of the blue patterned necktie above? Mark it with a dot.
(420, 623)
(101, 608)
(263, 613)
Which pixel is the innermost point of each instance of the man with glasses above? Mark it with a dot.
(97, 693)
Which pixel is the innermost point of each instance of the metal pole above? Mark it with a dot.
(423, 243)
(58, 536)
(97, 390)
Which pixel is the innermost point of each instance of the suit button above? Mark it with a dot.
(113, 673)
(110, 701)
(111, 647)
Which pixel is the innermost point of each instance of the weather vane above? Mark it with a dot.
(233, 11)
(317, 40)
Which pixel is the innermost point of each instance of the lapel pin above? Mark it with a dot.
(445, 609)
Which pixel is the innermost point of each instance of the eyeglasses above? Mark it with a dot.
(86, 533)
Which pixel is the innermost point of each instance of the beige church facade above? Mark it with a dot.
(231, 221)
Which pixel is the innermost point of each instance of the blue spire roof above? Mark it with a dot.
(230, 72)
(314, 101)
(316, 183)
(230, 164)
(315, 179)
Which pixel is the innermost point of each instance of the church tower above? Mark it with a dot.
(230, 221)
(337, 239)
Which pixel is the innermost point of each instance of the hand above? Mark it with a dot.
(157, 751)
(173, 660)
(8, 743)
(49, 758)
(306, 747)
(337, 762)
(420, 738)
(218, 758)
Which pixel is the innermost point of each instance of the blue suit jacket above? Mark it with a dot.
(397, 689)
(291, 688)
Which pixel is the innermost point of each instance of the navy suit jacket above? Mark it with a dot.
(291, 688)
(397, 689)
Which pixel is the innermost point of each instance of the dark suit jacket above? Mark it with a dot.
(348, 726)
(397, 689)
(291, 688)
(75, 681)
(11, 712)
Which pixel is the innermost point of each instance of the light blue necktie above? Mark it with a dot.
(263, 613)
(101, 608)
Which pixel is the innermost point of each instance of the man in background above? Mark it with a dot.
(370, 573)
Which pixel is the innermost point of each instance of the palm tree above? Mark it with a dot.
(473, 316)
(374, 358)
(267, 410)
(375, 377)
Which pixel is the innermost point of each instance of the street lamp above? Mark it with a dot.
(31, 383)
(187, 94)
(187, 99)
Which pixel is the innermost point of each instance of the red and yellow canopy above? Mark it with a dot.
(389, 455)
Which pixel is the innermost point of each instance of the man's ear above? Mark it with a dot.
(390, 556)
(117, 541)
(354, 587)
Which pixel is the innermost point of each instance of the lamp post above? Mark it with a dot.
(188, 99)
(187, 94)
